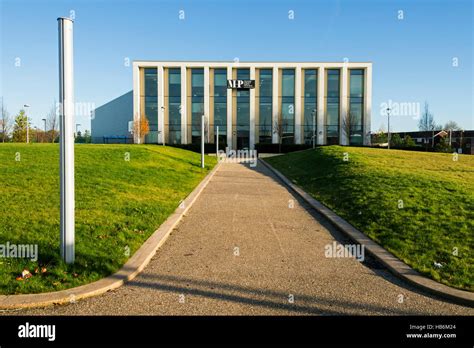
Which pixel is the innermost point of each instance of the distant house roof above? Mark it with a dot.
(441, 134)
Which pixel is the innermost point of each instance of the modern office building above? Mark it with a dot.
(249, 102)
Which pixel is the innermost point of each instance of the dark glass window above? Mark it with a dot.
(310, 130)
(174, 87)
(310, 83)
(266, 83)
(332, 106)
(220, 82)
(151, 103)
(197, 82)
(243, 111)
(288, 105)
(356, 107)
(288, 83)
(356, 83)
(333, 83)
(220, 105)
(197, 105)
(265, 106)
(151, 112)
(174, 106)
(151, 82)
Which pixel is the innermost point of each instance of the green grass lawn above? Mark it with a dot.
(119, 204)
(419, 206)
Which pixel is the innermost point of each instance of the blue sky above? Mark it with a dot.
(412, 57)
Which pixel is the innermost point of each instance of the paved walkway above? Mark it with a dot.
(248, 246)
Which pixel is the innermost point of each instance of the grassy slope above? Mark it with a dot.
(118, 205)
(437, 194)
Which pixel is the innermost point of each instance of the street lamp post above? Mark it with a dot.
(202, 140)
(314, 127)
(77, 125)
(26, 106)
(44, 137)
(163, 125)
(217, 142)
(388, 133)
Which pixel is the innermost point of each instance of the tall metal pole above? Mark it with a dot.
(217, 142)
(27, 106)
(388, 133)
(163, 125)
(44, 135)
(202, 140)
(314, 128)
(66, 124)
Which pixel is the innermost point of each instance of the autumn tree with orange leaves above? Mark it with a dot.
(141, 128)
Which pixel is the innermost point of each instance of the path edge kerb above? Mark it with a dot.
(129, 270)
(392, 263)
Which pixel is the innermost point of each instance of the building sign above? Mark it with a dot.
(241, 84)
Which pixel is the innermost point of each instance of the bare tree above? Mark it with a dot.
(348, 124)
(427, 122)
(52, 121)
(5, 122)
(451, 126)
(279, 127)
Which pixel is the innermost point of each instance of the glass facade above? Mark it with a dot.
(243, 111)
(265, 106)
(280, 91)
(220, 105)
(332, 106)
(197, 103)
(356, 106)
(174, 106)
(288, 106)
(150, 99)
(310, 115)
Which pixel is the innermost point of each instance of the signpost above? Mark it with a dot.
(66, 124)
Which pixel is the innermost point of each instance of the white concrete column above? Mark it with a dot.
(184, 103)
(229, 110)
(161, 103)
(136, 99)
(343, 110)
(298, 113)
(321, 106)
(367, 104)
(252, 112)
(207, 100)
(275, 104)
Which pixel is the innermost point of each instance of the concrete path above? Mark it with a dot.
(248, 246)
